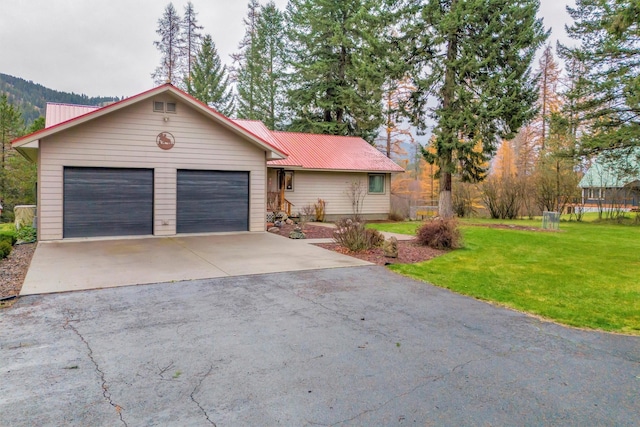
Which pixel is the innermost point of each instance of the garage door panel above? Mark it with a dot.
(107, 202)
(212, 201)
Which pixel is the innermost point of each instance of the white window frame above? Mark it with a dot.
(384, 183)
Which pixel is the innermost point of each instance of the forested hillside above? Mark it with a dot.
(31, 98)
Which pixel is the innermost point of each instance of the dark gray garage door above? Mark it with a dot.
(107, 202)
(212, 201)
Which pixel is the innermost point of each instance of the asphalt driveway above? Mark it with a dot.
(346, 346)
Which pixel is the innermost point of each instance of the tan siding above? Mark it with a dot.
(332, 188)
(126, 139)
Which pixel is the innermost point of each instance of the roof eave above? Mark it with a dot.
(272, 152)
(299, 167)
(29, 153)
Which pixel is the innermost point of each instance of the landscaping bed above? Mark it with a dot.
(13, 270)
(408, 251)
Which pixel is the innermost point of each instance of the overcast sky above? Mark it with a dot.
(105, 47)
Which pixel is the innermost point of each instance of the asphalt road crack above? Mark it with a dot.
(429, 380)
(195, 390)
(105, 388)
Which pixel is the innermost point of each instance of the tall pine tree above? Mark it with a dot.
(209, 80)
(247, 66)
(171, 47)
(607, 92)
(192, 36)
(261, 78)
(11, 126)
(475, 57)
(339, 54)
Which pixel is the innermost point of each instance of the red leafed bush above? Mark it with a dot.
(440, 234)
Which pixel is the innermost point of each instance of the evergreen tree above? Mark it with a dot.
(475, 56)
(261, 79)
(209, 81)
(192, 36)
(339, 59)
(38, 124)
(11, 126)
(607, 94)
(247, 62)
(171, 47)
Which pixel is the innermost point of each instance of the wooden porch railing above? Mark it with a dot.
(277, 203)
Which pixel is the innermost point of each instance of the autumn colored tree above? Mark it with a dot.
(504, 163)
(397, 129)
(557, 179)
(549, 100)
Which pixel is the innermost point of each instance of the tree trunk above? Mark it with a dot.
(449, 135)
(445, 205)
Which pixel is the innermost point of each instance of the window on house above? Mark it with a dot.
(376, 183)
(285, 178)
(161, 107)
(595, 193)
(288, 180)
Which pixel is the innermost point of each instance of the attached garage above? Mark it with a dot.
(159, 163)
(107, 202)
(212, 201)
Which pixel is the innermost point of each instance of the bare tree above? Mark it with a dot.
(171, 47)
(356, 192)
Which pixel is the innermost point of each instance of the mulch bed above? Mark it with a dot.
(409, 252)
(311, 231)
(13, 270)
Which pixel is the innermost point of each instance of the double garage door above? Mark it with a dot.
(119, 202)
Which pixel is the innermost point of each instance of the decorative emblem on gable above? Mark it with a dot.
(165, 140)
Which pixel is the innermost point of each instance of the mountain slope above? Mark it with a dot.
(32, 98)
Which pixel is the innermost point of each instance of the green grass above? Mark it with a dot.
(588, 275)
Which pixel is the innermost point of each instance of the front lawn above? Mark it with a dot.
(585, 276)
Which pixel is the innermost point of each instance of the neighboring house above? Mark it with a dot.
(159, 163)
(330, 168)
(612, 182)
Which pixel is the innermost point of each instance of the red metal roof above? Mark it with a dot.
(58, 113)
(258, 128)
(331, 152)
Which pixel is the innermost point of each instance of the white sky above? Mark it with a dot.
(105, 47)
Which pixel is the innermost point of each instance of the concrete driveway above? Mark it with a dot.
(345, 346)
(92, 264)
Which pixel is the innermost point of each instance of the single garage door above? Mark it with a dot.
(212, 201)
(107, 202)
